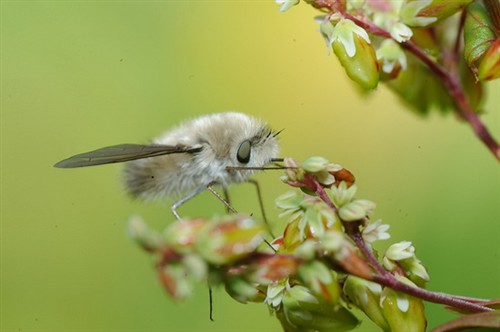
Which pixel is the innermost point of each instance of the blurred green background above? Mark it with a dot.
(80, 75)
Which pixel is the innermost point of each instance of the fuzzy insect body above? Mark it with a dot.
(223, 139)
(191, 157)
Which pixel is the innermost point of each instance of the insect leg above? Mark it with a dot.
(261, 204)
(216, 194)
(226, 197)
(231, 209)
(183, 200)
(210, 299)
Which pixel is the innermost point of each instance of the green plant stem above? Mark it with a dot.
(449, 79)
(385, 278)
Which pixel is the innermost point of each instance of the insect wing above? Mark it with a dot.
(121, 153)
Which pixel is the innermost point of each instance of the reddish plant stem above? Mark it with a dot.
(385, 278)
(429, 296)
(452, 82)
(449, 79)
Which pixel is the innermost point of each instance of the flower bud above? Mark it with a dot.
(352, 46)
(342, 194)
(182, 236)
(401, 311)
(266, 269)
(391, 57)
(302, 311)
(275, 293)
(376, 231)
(321, 280)
(402, 255)
(315, 164)
(366, 296)
(338, 248)
(243, 291)
(489, 68)
(229, 240)
(356, 210)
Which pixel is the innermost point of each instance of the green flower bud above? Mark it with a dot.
(302, 311)
(366, 296)
(229, 240)
(342, 195)
(341, 250)
(404, 254)
(317, 218)
(182, 236)
(321, 280)
(312, 223)
(275, 293)
(489, 68)
(291, 237)
(290, 202)
(243, 291)
(399, 251)
(376, 231)
(401, 311)
(391, 57)
(352, 46)
(307, 250)
(315, 164)
(266, 269)
(356, 210)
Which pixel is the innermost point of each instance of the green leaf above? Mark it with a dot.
(478, 34)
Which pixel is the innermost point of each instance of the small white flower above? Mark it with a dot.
(391, 54)
(301, 294)
(326, 29)
(410, 10)
(376, 231)
(401, 32)
(286, 4)
(403, 303)
(342, 195)
(402, 300)
(419, 270)
(356, 210)
(315, 164)
(399, 251)
(344, 32)
(275, 293)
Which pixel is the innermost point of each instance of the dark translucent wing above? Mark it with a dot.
(121, 153)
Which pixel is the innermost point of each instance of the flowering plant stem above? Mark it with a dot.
(385, 278)
(448, 76)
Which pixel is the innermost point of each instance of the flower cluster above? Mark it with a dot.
(314, 273)
(384, 40)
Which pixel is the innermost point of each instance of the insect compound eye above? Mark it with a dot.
(243, 153)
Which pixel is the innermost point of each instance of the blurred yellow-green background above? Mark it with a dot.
(78, 75)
